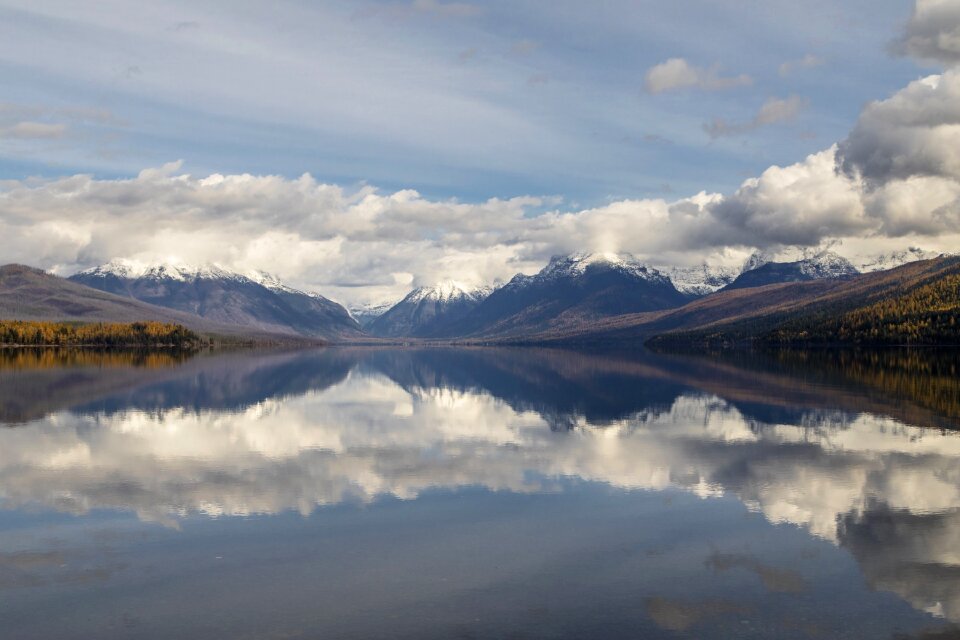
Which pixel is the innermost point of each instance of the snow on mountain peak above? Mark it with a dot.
(827, 264)
(756, 260)
(447, 290)
(576, 264)
(167, 270)
(700, 280)
(823, 264)
(273, 283)
(882, 262)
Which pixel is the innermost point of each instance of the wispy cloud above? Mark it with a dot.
(808, 61)
(34, 131)
(450, 9)
(774, 110)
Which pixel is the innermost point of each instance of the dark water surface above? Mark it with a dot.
(479, 493)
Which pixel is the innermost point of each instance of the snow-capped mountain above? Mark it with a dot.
(171, 271)
(825, 264)
(571, 289)
(882, 262)
(428, 311)
(449, 291)
(700, 280)
(258, 300)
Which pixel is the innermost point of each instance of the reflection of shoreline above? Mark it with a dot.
(117, 380)
(920, 388)
(22, 358)
(295, 431)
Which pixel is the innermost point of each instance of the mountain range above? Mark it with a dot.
(581, 286)
(915, 303)
(579, 297)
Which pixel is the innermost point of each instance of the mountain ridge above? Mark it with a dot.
(760, 272)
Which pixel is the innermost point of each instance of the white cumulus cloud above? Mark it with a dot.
(676, 74)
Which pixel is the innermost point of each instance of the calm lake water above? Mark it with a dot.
(479, 493)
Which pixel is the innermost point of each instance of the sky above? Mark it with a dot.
(362, 148)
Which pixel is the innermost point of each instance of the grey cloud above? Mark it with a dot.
(933, 32)
(906, 149)
(916, 132)
(772, 111)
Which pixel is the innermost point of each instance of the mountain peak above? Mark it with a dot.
(827, 264)
(576, 264)
(426, 310)
(756, 260)
(447, 290)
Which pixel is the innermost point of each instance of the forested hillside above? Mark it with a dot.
(926, 315)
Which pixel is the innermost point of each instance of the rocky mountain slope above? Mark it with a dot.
(31, 294)
(257, 302)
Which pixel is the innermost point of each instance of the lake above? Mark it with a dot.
(479, 493)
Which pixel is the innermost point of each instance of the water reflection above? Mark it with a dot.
(855, 449)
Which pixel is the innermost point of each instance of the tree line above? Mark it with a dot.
(100, 334)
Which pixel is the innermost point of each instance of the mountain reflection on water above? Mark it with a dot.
(855, 448)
